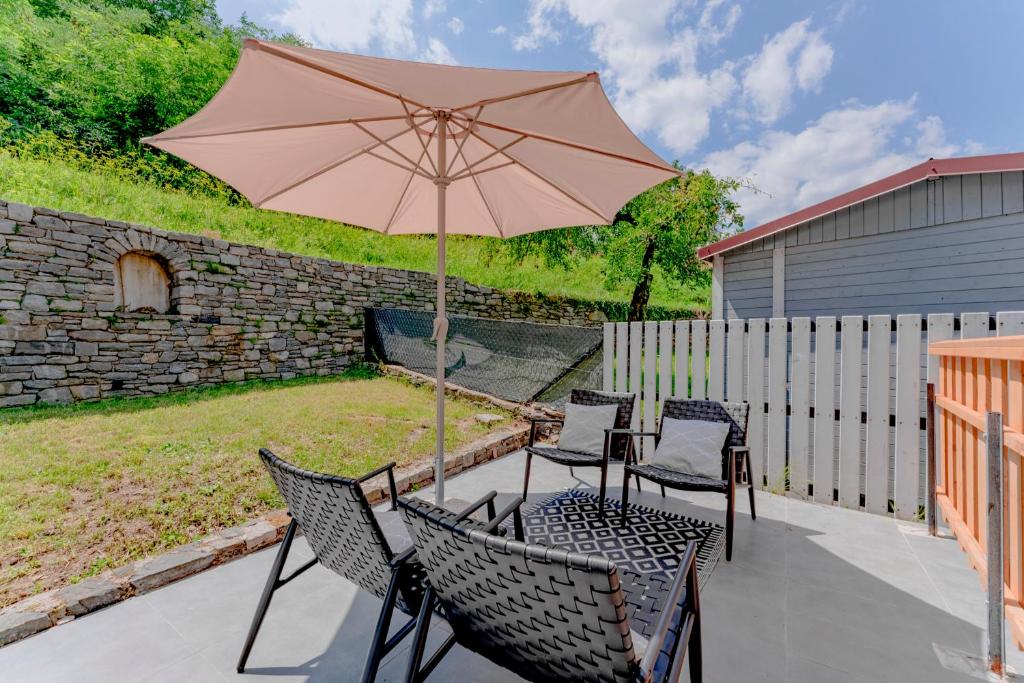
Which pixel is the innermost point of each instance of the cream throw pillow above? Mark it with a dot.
(584, 427)
(691, 447)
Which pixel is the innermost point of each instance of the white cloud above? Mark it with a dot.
(796, 58)
(843, 149)
(352, 24)
(437, 52)
(650, 59)
(499, 30)
(456, 25)
(432, 7)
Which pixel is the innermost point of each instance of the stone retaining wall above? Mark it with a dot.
(238, 312)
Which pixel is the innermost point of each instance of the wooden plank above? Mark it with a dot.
(608, 357)
(919, 204)
(876, 455)
(850, 359)
(940, 328)
(681, 387)
(776, 390)
(650, 380)
(621, 356)
(843, 224)
(934, 203)
(699, 360)
(636, 348)
(828, 227)
(1013, 192)
(716, 364)
(971, 195)
(906, 488)
(824, 408)
(665, 353)
(991, 194)
(800, 408)
(735, 356)
(1010, 323)
(952, 199)
(779, 282)
(755, 397)
(886, 203)
(972, 325)
(901, 208)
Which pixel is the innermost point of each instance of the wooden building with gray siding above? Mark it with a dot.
(944, 236)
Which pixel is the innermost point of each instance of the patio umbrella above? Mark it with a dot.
(404, 147)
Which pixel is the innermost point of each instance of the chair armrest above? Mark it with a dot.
(657, 640)
(517, 518)
(630, 432)
(487, 499)
(403, 557)
(739, 449)
(534, 421)
(390, 469)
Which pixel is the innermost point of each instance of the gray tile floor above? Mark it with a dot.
(813, 594)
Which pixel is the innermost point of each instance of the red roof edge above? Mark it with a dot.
(933, 168)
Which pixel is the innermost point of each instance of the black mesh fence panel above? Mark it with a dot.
(516, 361)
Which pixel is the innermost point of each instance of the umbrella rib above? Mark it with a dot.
(554, 185)
(469, 169)
(483, 197)
(416, 129)
(411, 169)
(329, 167)
(592, 76)
(401, 196)
(585, 148)
(265, 129)
(386, 144)
(468, 174)
(282, 54)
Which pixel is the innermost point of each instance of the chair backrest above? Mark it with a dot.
(736, 414)
(623, 418)
(337, 521)
(543, 613)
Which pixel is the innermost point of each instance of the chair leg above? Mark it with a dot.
(625, 498)
(730, 514)
(526, 478)
(380, 634)
(571, 473)
(662, 490)
(268, 593)
(693, 647)
(604, 486)
(419, 641)
(637, 477)
(750, 488)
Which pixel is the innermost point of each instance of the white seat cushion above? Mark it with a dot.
(584, 427)
(691, 447)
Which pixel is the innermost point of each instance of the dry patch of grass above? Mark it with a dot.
(89, 487)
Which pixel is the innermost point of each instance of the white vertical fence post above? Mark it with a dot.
(850, 360)
(906, 488)
(636, 340)
(681, 388)
(664, 362)
(735, 359)
(876, 454)
(800, 408)
(650, 381)
(940, 327)
(698, 362)
(777, 341)
(608, 357)
(716, 365)
(824, 408)
(621, 356)
(755, 396)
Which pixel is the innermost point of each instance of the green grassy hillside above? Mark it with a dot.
(63, 187)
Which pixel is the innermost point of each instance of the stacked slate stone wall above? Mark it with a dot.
(238, 312)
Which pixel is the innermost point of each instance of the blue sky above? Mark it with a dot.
(803, 100)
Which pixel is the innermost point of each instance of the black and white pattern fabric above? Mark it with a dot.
(651, 542)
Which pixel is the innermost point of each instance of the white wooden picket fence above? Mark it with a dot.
(837, 405)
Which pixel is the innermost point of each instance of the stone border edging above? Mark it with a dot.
(61, 605)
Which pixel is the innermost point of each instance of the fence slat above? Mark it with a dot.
(850, 359)
(940, 328)
(824, 408)
(755, 396)
(876, 452)
(682, 383)
(650, 396)
(736, 356)
(716, 353)
(777, 341)
(608, 357)
(621, 356)
(699, 360)
(800, 412)
(664, 362)
(972, 325)
(1007, 324)
(907, 485)
(636, 340)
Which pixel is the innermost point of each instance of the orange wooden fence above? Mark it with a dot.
(977, 376)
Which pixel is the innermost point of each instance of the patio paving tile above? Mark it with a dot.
(813, 594)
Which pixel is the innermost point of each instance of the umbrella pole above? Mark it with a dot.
(440, 321)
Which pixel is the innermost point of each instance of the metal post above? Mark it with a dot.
(440, 320)
(931, 514)
(994, 561)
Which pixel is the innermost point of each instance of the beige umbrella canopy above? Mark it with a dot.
(404, 147)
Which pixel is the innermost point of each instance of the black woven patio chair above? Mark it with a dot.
(346, 537)
(551, 615)
(616, 440)
(735, 458)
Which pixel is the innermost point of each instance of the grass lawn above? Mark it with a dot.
(92, 486)
(60, 186)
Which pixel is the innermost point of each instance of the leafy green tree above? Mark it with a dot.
(660, 229)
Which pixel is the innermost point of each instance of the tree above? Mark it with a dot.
(661, 228)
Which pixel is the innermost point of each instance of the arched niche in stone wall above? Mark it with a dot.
(141, 283)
